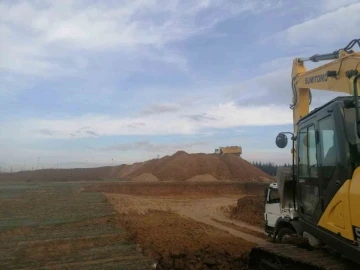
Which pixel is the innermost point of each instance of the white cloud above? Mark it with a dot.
(274, 86)
(324, 30)
(42, 38)
(167, 148)
(330, 5)
(160, 108)
(276, 156)
(224, 115)
(228, 115)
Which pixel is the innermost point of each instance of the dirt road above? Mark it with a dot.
(208, 210)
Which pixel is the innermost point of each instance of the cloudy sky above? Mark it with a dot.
(86, 83)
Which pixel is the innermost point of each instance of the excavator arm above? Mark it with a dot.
(334, 76)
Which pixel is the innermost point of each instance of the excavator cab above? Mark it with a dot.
(327, 154)
(323, 157)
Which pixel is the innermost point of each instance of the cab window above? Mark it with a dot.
(328, 153)
(274, 196)
(307, 153)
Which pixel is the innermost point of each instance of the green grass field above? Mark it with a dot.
(59, 226)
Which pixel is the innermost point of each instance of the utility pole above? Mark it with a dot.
(38, 163)
(112, 161)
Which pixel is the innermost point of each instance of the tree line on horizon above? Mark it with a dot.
(268, 167)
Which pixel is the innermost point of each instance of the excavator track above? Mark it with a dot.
(285, 256)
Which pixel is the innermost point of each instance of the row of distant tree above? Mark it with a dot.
(268, 167)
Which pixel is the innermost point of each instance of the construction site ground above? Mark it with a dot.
(112, 225)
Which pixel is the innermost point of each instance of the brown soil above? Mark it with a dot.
(125, 170)
(201, 247)
(197, 207)
(202, 178)
(179, 188)
(178, 167)
(178, 225)
(65, 253)
(242, 229)
(185, 230)
(145, 177)
(249, 209)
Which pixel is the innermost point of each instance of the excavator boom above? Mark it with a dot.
(333, 76)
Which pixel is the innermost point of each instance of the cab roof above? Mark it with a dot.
(332, 102)
(274, 185)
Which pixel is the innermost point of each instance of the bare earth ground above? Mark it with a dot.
(57, 226)
(185, 228)
(73, 226)
(205, 210)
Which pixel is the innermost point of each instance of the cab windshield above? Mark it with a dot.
(274, 196)
(351, 135)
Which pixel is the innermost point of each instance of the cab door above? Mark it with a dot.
(272, 206)
(308, 177)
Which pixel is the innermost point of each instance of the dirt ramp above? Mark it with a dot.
(126, 170)
(145, 177)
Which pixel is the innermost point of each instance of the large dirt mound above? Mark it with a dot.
(182, 166)
(178, 167)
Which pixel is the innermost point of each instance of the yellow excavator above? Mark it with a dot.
(319, 197)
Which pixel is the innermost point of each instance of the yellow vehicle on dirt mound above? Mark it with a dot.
(236, 150)
(319, 198)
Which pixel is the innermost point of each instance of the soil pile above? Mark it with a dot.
(182, 166)
(250, 209)
(179, 167)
